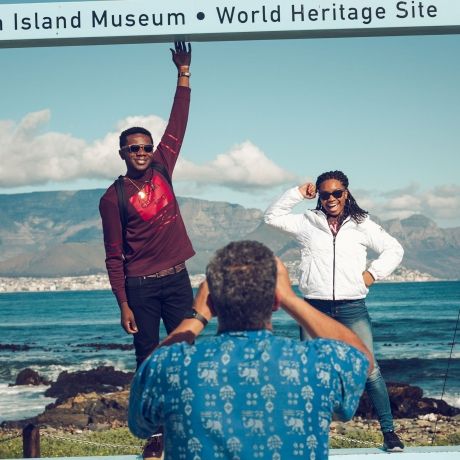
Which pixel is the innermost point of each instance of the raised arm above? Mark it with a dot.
(182, 57)
(316, 323)
(171, 142)
(279, 214)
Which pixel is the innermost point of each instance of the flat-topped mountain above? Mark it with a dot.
(59, 233)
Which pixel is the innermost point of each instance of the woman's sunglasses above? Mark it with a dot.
(336, 194)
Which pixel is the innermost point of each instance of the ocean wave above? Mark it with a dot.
(28, 390)
(19, 402)
(52, 371)
(452, 399)
(430, 375)
(401, 354)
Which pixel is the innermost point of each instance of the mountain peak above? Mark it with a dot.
(418, 221)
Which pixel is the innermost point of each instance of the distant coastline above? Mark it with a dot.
(100, 281)
(97, 282)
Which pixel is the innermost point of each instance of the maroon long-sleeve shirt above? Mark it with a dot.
(155, 234)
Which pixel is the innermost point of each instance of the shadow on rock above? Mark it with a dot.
(407, 401)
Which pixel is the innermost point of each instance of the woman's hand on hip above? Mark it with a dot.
(368, 279)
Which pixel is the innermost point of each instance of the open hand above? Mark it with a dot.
(180, 55)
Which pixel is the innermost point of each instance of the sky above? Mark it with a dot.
(265, 116)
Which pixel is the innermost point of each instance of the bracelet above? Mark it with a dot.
(193, 314)
(184, 74)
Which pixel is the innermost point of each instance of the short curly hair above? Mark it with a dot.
(242, 280)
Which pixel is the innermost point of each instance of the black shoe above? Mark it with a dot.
(391, 442)
(153, 449)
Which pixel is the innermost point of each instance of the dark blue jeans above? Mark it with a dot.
(155, 299)
(354, 315)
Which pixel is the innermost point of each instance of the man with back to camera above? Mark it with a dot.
(246, 393)
(146, 259)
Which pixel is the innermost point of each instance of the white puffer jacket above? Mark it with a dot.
(332, 267)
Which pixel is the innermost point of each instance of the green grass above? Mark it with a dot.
(73, 447)
(449, 440)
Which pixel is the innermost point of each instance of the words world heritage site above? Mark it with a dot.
(294, 13)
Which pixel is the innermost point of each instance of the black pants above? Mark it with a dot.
(152, 299)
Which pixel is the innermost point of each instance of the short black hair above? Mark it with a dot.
(134, 130)
(242, 281)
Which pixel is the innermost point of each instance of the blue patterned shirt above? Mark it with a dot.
(246, 395)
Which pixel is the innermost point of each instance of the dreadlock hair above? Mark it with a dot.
(351, 207)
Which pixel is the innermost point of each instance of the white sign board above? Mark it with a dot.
(135, 21)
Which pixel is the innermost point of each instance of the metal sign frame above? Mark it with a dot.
(142, 21)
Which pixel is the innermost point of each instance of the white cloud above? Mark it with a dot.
(444, 202)
(244, 166)
(438, 203)
(29, 156)
(403, 202)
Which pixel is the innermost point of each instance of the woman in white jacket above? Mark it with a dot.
(333, 240)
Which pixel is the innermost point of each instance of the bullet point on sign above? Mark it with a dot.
(200, 15)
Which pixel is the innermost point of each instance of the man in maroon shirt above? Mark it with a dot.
(146, 264)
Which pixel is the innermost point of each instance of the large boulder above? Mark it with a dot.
(30, 377)
(104, 379)
(86, 410)
(407, 401)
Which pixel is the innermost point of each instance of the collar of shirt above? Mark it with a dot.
(334, 225)
(258, 333)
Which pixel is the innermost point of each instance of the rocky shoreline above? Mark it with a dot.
(98, 400)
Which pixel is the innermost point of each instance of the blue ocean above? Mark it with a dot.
(414, 329)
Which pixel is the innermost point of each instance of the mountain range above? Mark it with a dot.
(48, 234)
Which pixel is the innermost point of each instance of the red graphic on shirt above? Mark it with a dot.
(155, 196)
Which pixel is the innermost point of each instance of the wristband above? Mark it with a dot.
(193, 314)
(184, 74)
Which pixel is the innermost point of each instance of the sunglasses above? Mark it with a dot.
(134, 148)
(336, 194)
